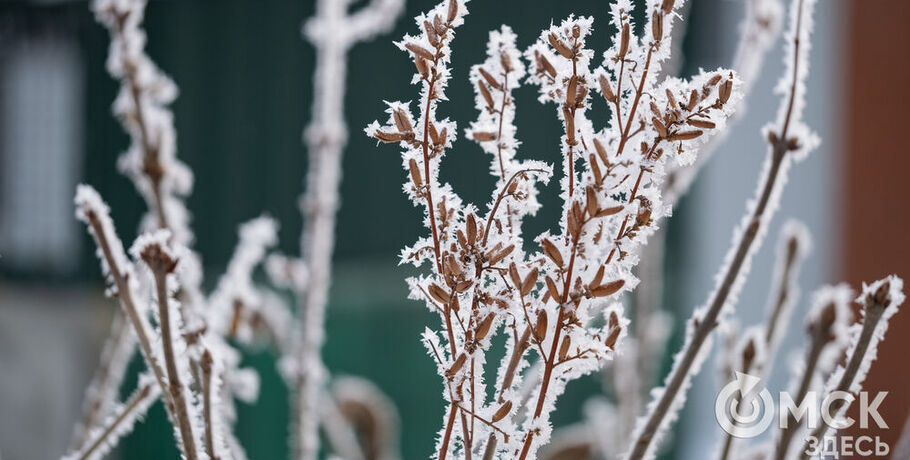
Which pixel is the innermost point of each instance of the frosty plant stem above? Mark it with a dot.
(201, 375)
(824, 332)
(143, 396)
(141, 105)
(754, 353)
(205, 365)
(332, 32)
(162, 264)
(151, 164)
(704, 321)
(557, 302)
(880, 302)
(118, 349)
(124, 290)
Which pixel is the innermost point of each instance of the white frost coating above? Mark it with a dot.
(680, 400)
(151, 163)
(121, 275)
(751, 351)
(286, 272)
(862, 354)
(794, 236)
(758, 31)
(145, 92)
(483, 282)
(89, 203)
(235, 290)
(792, 83)
(333, 31)
(792, 140)
(186, 415)
(841, 296)
(123, 417)
(155, 239)
(103, 391)
(151, 159)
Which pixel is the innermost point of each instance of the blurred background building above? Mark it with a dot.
(245, 82)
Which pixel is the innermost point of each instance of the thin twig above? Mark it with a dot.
(160, 264)
(812, 357)
(333, 31)
(707, 323)
(102, 392)
(125, 295)
(135, 403)
(205, 365)
(874, 310)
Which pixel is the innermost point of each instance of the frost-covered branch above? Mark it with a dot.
(554, 302)
(124, 278)
(790, 140)
(150, 162)
(153, 250)
(141, 105)
(103, 390)
(100, 441)
(755, 351)
(758, 31)
(880, 301)
(332, 32)
(92, 210)
(828, 325)
(793, 245)
(201, 374)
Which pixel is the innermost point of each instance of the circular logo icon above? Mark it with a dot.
(742, 408)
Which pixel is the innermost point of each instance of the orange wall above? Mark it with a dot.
(876, 218)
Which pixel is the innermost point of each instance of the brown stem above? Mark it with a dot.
(786, 433)
(725, 450)
(129, 407)
(125, 294)
(502, 170)
(176, 387)
(571, 152)
(625, 137)
(638, 92)
(873, 314)
(206, 366)
(550, 362)
(450, 424)
(517, 352)
(426, 172)
(499, 198)
(706, 324)
(105, 383)
(152, 164)
(465, 429)
(488, 423)
(622, 68)
(473, 406)
(490, 450)
(782, 294)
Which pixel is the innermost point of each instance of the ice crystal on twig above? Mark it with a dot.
(552, 302)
